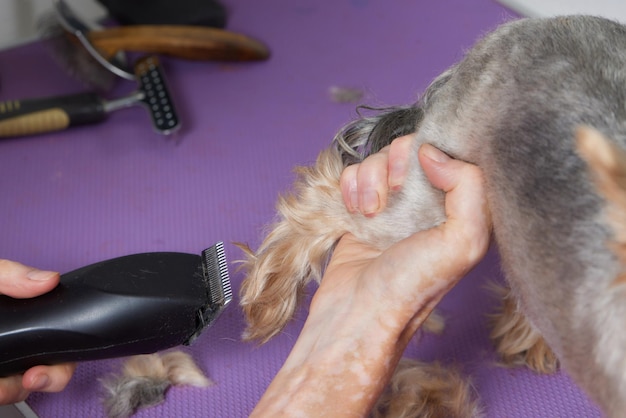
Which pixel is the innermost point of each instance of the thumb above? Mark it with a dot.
(468, 222)
(20, 281)
(442, 171)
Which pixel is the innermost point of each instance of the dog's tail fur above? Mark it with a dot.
(311, 219)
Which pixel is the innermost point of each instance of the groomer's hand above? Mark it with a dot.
(365, 186)
(370, 303)
(20, 281)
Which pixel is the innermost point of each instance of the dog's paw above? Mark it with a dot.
(517, 342)
(420, 389)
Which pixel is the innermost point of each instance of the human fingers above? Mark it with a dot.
(443, 254)
(415, 273)
(468, 221)
(399, 157)
(11, 390)
(429, 263)
(365, 186)
(408, 279)
(20, 281)
(37, 379)
(348, 184)
(48, 378)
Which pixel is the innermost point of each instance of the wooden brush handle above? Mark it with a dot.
(188, 42)
(35, 123)
(35, 116)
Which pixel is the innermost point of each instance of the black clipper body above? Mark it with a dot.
(136, 304)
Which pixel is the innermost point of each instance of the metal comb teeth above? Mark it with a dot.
(156, 95)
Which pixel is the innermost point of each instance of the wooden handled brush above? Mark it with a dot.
(188, 42)
(78, 46)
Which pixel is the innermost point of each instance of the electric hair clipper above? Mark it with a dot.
(137, 304)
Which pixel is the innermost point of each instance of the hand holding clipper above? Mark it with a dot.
(136, 304)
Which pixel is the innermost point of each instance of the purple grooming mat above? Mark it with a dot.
(97, 192)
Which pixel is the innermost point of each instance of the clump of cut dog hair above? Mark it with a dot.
(419, 389)
(341, 94)
(145, 379)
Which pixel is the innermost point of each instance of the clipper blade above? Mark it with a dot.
(216, 273)
(217, 282)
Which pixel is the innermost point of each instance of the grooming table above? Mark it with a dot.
(96, 192)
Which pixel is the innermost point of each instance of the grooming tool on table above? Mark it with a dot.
(33, 116)
(188, 42)
(137, 304)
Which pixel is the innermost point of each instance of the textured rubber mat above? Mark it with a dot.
(97, 192)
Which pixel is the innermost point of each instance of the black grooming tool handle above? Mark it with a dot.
(129, 305)
(33, 116)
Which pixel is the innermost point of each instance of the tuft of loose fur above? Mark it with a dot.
(340, 94)
(183, 371)
(145, 379)
(428, 390)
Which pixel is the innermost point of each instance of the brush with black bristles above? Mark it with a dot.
(78, 46)
(70, 54)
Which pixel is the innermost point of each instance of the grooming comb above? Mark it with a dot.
(34, 116)
(137, 304)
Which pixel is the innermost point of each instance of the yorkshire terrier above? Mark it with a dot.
(540, 106)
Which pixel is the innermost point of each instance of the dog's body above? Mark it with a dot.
(513, 106)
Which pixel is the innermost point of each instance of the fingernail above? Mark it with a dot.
(40, 383)
(371, 202)
(435, 154)
(353, 196)
(40, 275)
(354, 200)
(397, 173)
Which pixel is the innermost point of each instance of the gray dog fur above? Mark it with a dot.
(512, 107)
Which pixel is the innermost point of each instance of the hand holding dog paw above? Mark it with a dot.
(20, 281)
(370, 303)
(407, 280)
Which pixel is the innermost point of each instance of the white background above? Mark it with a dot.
(612, 9)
